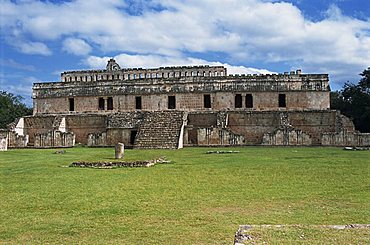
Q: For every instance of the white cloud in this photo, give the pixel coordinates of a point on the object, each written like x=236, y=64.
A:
x=32, y=48
x=23, y=87
x=153, y=61
x=76, y=46
x=16, y=65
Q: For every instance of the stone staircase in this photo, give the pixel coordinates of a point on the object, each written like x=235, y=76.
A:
x=160, y=130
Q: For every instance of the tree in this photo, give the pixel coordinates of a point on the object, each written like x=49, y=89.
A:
x=364, y=83
x=11, y=108
x=354, y=101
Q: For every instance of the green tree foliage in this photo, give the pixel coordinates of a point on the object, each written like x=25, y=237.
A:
x=11, y=108
x=354, y=101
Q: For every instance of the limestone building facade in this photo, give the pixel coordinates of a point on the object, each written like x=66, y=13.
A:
x=172, y=107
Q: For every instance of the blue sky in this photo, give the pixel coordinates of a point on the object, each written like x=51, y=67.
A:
x=41, y=39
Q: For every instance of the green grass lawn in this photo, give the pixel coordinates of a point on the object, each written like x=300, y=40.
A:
x=199, y=199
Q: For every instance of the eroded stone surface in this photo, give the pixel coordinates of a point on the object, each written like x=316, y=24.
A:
x=119, y=151
x=3, y=140
x=172, y=107
x=133, y=164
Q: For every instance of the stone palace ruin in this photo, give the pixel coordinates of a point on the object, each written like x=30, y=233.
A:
x=172, y=107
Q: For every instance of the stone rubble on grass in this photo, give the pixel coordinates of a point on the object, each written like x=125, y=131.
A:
x=109, y=165
x=350, y=148
x=60, y=152
x=242, y=236
x=221, y=152
x=350, y=226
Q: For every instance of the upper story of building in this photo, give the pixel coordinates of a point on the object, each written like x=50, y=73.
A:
x=113, y=72
x=188, y=88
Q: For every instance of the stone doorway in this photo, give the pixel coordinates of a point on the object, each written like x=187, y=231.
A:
x=193, y=137
x=133, y=136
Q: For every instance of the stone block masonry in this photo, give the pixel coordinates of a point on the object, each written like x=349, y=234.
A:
x=173, y=129
x=119, y=151
x=160, y=130
x=54, y=139
x=172, y=107
x=196, y=88
x=110, y=165
x=3, y=140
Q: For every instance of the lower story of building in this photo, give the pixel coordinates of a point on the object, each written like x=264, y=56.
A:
x=175, y=129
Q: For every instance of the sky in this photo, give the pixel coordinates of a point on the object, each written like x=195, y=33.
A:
x=41, y=39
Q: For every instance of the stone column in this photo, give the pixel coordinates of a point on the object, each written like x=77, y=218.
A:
x=120, y=150
x=3, y=140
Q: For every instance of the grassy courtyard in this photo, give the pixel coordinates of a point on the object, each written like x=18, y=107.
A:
x=198, y=199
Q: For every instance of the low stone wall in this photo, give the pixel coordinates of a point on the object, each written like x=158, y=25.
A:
x=288, y=137
x=54, y=139
x=218, y=136
x=345, y=138
x=17, y=141
x=97, y=139
x=3, y=140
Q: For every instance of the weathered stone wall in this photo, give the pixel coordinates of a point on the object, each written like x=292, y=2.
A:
x=303, y=91
x=165, y=129
x=17, y=135
x=218, y=136
x=3, y=140
x=119, y=135
x=345, y=138
x=111, y=137
x=38, y=125
x=187, y=102
x=266, y=127
x=288, y=109
x=125, y=120
x=253, y=125
x=97, y=139
x=54, y=139
x=260, y=83
x=203, y=119
x=111, y=73
x=288, y=137
x=50, y=105
x=120, y=128
x=84, y=124
x=17, y=141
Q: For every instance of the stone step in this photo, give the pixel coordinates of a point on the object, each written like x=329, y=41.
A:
x=160, y=130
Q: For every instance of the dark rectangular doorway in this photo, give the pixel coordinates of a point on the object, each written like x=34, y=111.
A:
x=193, y=137
x=171, y=102
x=101, y=104
x=138, y=102
x=71, y=104
x=249, y=101
x=110, y=103
x=238, y=101
x=282, y=100
x=207, y=101
x=133, y=136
